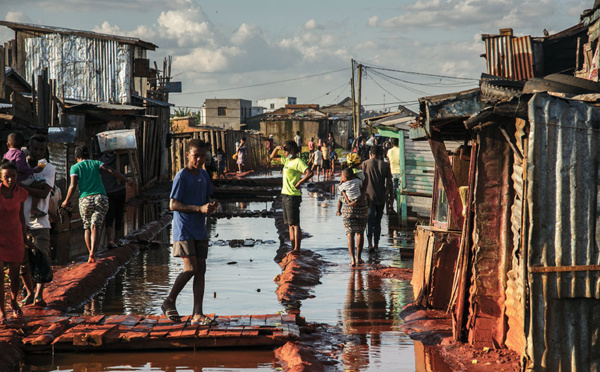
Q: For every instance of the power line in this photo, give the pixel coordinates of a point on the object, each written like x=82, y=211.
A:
x=326, y=94
x=420, y=73
x=269, y=83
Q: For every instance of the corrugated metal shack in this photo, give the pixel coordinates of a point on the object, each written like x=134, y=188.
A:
x=520, y=249
x=85, y=83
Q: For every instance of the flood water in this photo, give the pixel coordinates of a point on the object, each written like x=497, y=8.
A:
x=240, y=281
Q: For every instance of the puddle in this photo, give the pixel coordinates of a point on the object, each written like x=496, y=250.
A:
x=364, y=306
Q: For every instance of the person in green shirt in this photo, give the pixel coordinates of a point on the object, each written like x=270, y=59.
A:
x=93, y=202
x=295, y=173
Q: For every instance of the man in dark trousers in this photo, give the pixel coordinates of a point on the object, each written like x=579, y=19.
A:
x=378, y=183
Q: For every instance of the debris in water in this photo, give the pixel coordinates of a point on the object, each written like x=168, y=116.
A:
x=214, y=294
x=232, y=263
x=258, y=290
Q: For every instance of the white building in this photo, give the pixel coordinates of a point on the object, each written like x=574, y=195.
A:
x=272, y=104
x=257, y=110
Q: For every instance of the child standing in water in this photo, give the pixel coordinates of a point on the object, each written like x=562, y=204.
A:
x=353, y=208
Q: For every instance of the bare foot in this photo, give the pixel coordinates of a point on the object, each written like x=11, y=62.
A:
x=92, y=258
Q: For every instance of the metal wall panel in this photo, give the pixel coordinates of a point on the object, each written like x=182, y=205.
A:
x=510, y=57
x=562, y=196
x=515, y=285
x=85, y=69
x=492, y=243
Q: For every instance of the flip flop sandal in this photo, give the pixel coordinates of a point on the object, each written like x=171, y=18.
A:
x=205, y=322
x=27, y=301
x=17, y=313
x=39, y=302
x=171, y=314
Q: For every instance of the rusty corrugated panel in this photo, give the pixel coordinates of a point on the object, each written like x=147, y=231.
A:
x=85, y=69
x=510, y=57
x=562, y=197
x=492, y=239
x=515, y=286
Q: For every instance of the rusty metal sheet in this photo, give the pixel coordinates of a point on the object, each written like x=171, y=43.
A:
x=563, y=225
x=515, y=283
x=510, y=57
x=492, y=240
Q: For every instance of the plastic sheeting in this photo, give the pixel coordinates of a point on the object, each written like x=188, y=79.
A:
x=85, y=69
x=562, y=197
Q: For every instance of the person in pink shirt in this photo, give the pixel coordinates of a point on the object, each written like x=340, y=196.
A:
x=14, y=154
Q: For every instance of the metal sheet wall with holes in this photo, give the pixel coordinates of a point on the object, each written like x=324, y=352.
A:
x=562, y=196
x=510, y=57
x=85, y=69
x=492, y=239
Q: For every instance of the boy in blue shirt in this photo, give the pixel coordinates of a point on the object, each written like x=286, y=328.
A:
x=190, y=202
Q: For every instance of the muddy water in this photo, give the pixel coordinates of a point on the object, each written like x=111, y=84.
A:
x=240, y=281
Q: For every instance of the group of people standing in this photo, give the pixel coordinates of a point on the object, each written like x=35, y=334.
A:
x=26, y=188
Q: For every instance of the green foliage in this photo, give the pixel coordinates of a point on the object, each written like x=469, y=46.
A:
x=181, y=112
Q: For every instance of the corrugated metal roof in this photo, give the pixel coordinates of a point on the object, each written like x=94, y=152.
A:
x=399, y=120
x=562, y=195
x=67, y=31
x=153, y=101
x=509, y=57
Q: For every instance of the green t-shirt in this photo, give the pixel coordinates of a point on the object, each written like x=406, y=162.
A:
x=88, y=177
x=292, y=172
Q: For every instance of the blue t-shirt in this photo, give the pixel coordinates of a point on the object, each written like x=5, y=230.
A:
x=191, y=190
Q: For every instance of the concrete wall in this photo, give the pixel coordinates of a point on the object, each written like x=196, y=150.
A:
x=234, y=113
x=272, y=104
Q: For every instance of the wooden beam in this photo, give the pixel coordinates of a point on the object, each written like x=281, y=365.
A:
x=563, y=269
x=448, y=180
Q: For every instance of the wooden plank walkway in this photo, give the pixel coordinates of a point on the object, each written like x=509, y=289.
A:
x=132, y=332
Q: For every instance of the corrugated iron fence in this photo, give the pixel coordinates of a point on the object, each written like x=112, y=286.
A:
x=510, y=57
x=563, y=231
x=225, y=139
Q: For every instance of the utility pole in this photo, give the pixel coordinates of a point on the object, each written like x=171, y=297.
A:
x=354, y=125
x=359, y=94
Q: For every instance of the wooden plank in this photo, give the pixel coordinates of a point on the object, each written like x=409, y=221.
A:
x=448, y=180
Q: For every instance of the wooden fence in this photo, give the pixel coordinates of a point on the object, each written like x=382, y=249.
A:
x=226, y=139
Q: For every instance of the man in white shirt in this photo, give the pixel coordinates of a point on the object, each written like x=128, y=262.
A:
x=39, y=226
x=393, y=156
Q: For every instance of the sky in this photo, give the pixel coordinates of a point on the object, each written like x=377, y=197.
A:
x=254, y=49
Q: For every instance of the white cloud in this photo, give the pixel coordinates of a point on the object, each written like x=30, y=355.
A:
x=311, y=24
x=12, y=16
x=452, y=14
x=372, y=22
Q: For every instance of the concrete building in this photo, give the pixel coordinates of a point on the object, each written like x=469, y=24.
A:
x=272, y=104
x=229, y=113
x=257, y=110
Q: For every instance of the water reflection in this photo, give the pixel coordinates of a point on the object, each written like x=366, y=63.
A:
x=213, y=360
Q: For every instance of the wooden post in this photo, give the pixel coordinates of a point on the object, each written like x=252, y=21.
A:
x=2, y=75
x=401, y=197
x=358, y=98
x=354, y=125
x=448, y=179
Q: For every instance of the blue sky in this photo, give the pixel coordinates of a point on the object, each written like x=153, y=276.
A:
x=236, y=43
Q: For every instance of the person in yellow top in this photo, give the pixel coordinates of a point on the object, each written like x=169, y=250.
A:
x=295, y=173
x=393, y=156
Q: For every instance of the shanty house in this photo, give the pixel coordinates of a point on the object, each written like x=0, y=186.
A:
x=520, y=267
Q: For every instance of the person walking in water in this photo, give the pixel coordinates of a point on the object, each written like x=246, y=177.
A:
x=295, y=173
x=93, y=202
x=352, y=206
x=190, y=202
x=378, y=183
